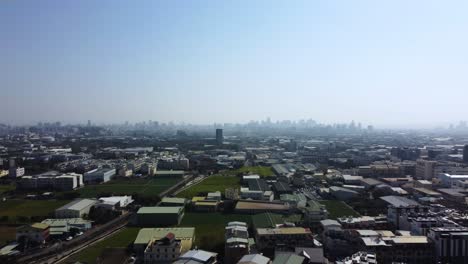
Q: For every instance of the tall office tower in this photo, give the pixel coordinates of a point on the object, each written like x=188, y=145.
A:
x=219, y=136
x=465, y=154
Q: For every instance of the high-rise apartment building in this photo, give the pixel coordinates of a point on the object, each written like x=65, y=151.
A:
x=219, y=136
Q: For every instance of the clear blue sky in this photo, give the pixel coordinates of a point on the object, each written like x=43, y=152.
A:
x=382, y=62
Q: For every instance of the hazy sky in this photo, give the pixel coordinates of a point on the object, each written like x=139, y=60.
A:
x=381, y=62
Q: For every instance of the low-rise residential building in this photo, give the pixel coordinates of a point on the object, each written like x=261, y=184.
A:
x=37, y=232
x=164, y=250
x=283, y=237
x=364, y=222
x=359, y=258
x=401, y=206
x=236, y=242
x=185, y=234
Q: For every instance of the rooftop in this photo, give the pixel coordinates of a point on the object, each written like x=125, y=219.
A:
x=254, y=259
x=199, y=255
x=399, y=201
x=78, y=204
x=288, y=258
x=283, y=231
x=160, y=210
x=173, y=200
x=248, y=205
x=147, y=234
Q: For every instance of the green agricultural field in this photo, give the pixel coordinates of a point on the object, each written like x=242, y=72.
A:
x=146, y=187
x=260, y=170
x=7, y=233
x=338, y=209
x=122, y=239
x=21, y=211
x=211, y=184
x=209, y=228
x=6, y=188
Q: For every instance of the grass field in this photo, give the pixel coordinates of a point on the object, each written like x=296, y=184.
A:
x=7, y=233
x=121, y=239
x=338, y=209
x=16, y=209
x=211, y=184
x=6, y=188
x=145, y=187
x=260, y=170
x=209, y=228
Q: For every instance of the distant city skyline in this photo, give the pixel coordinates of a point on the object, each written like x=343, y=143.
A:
x=390, y=64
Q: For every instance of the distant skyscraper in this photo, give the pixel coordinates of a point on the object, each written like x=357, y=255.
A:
x=465, y=154
x=89, y=123
x=219, y=136
x=12, y=162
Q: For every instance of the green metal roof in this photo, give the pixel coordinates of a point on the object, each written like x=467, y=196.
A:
x=173, y=200
x=160, y=210
x=288, y=258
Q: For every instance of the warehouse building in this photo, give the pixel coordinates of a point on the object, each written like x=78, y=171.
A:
x=61, y=227
x=160, y=215
x=75, y=209
x=173, y=201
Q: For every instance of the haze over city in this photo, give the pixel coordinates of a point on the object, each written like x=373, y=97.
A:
x=233, y=132
x=390, y=64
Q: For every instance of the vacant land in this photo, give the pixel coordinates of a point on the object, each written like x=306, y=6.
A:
x=209, y=228
x=21, y=211
x=260, y=170
x=211, y=184
x=146, y=187
x=122, y=239
x=6, y=188
x=7, y=233
x=338, y=209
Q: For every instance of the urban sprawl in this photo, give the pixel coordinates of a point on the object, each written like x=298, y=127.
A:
x=257, y=193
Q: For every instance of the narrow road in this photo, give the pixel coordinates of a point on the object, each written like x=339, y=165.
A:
x=65, y=255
